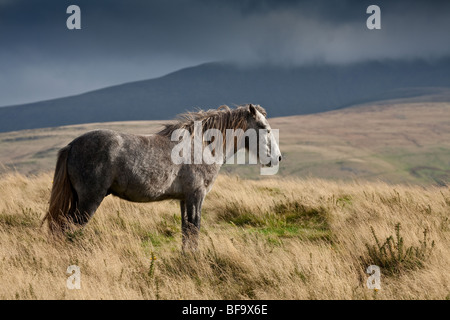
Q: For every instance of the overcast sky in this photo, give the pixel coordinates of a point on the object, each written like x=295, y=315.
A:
x=123, y=41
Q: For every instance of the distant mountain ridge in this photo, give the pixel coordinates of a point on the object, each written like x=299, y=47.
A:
x=282, y=91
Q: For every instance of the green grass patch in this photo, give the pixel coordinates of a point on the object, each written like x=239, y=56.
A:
x=156, y=239
x=287, y=219
x=164, y=233
x=27, y=218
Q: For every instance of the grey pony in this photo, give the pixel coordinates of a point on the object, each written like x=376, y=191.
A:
x=139, y=168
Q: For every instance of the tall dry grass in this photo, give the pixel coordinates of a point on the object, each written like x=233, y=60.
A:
x=268, y=239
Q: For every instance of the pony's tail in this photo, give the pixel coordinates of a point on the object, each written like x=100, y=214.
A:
x=62, y=196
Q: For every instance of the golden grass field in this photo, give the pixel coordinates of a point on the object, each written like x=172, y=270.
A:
x=302, y=234
x=265, y=239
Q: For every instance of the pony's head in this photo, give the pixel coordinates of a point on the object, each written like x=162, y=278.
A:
x=266, y=149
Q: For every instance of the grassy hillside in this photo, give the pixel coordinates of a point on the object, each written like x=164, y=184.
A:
x=397, y=141
x=270, y=239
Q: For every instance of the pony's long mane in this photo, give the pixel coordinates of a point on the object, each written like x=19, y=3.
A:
x=222, y=118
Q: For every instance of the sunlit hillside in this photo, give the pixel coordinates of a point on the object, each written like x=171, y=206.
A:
x=395, y=141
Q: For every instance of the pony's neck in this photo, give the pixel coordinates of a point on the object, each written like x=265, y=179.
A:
x=233, y=145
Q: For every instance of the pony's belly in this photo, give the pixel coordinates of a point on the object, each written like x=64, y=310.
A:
x=146, y=192
x=142, y=197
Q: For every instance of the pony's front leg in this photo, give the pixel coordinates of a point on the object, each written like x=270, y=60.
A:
x=190, y=221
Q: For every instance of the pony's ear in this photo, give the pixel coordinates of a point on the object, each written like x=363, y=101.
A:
x=252, y=110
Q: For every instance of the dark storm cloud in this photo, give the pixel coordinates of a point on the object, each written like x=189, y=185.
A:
x=129, y=40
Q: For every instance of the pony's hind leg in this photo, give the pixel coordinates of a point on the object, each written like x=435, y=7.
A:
x=85, y=208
